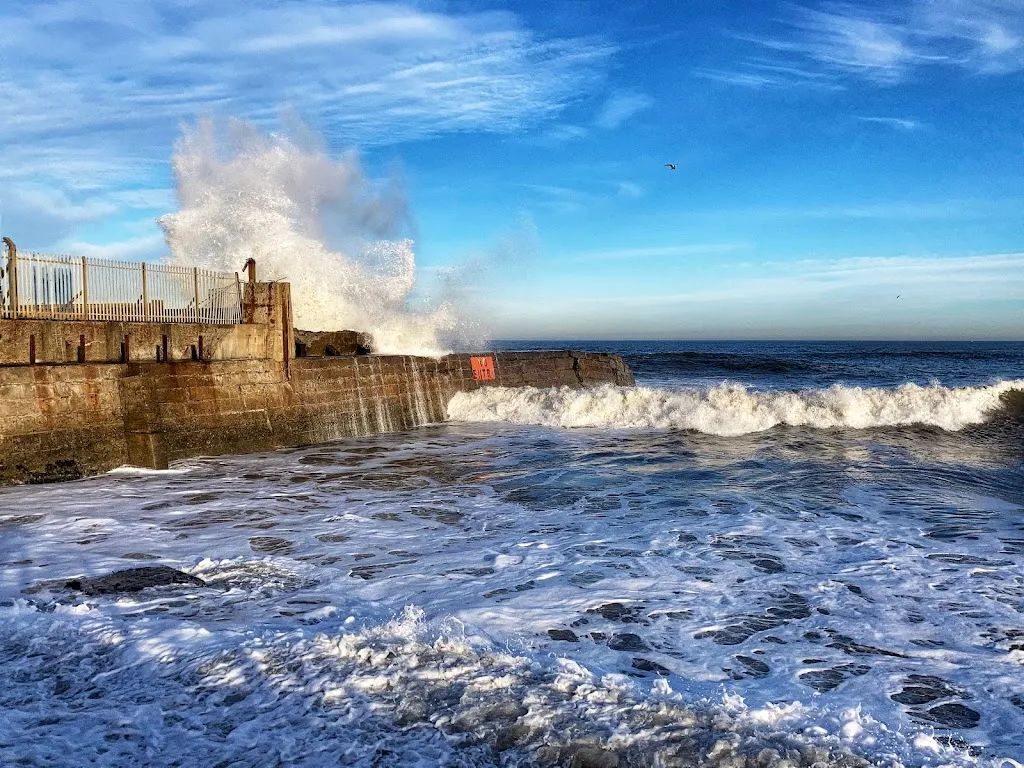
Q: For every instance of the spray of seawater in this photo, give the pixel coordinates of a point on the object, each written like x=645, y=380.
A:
x=314, y=220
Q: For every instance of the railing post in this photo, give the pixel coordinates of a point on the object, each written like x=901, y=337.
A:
x=12, y=274
x=145, y=294
x=195, y=285
x=238, y=288
x=85, y=289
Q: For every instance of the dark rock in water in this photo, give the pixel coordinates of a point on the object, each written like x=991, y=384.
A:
x=593, y=757
x=627, y=641
x=627, y=614
x=646, y=665
x=824, y=680
x=133, y=580
x=953, y=716
x=755, y=667
x=850, y=646
x=566, y=635
x=271, y=545
x=921, y=689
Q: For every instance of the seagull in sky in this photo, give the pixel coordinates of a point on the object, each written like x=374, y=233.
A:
x=670, y=166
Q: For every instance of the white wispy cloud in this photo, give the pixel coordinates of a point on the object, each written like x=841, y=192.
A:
x=882, y=210
x=900, y=123
x=767, y=74
x=143, y=248
x=629, y=189
x=620, y=107
x=885, y=43
x=996, y=276
x=961, y=296
x=683, y=250
x=95, y=91
x=373, y=73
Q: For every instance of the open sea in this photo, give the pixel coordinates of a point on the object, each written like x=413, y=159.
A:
x=765, y=554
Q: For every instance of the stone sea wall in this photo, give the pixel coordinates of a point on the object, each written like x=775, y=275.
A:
x=60, y=422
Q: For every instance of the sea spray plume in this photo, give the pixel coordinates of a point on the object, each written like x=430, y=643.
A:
x=732, y=409
x=308, y=218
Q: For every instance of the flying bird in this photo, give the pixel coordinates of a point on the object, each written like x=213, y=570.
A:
x=670, y=166
x=898, y=295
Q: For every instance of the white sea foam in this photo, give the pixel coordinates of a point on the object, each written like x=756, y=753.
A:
x=788, y=607
x=314, y=220
x=733, y=409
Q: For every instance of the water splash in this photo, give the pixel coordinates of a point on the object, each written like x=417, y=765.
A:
x=309, y=218
x=733, y=409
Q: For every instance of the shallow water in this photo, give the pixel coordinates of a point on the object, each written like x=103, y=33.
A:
x=496, y=594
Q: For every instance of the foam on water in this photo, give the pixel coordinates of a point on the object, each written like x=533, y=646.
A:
x=734, y=409
x=476, y=595
x=313, y=220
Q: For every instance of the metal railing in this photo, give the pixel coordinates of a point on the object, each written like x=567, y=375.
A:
x=45, y=286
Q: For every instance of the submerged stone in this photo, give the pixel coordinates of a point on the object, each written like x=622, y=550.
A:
x=133, y=580
x=954, y=716
x=566, y=635
x=627, y=641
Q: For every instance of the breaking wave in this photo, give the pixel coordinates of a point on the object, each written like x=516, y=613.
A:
x=733, y=409
x=312, y=219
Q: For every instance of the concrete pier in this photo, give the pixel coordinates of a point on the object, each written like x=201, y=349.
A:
x=146, y=394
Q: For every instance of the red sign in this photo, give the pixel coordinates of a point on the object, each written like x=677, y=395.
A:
x=483, y=368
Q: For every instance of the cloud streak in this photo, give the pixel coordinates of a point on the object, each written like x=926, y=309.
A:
x=94, y=93
x=686, y=250
x=899, y=123
x=375, y=73
x=620, y=107
x=885, y=44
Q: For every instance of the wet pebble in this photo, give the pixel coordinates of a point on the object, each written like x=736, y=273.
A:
x=618, y=612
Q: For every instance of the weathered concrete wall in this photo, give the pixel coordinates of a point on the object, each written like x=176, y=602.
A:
x=66, y=421
x=60, y=422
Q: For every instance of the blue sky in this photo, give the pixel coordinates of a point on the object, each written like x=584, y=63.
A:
x=831, y=156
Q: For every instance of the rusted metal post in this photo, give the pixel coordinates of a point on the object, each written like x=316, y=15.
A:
x=145, y=294
x=200, y=348
x=81, y=348
x=250, y=268
x=163, y=343
x=32, y=349
x=85, y=289
x=126, y=349
x=12, y=274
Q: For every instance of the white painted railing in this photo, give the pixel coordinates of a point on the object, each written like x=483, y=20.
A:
x=36, y=285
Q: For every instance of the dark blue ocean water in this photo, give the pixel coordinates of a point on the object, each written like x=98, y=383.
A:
x=798, y=364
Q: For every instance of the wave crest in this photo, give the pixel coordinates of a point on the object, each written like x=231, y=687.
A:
x=733, y=409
